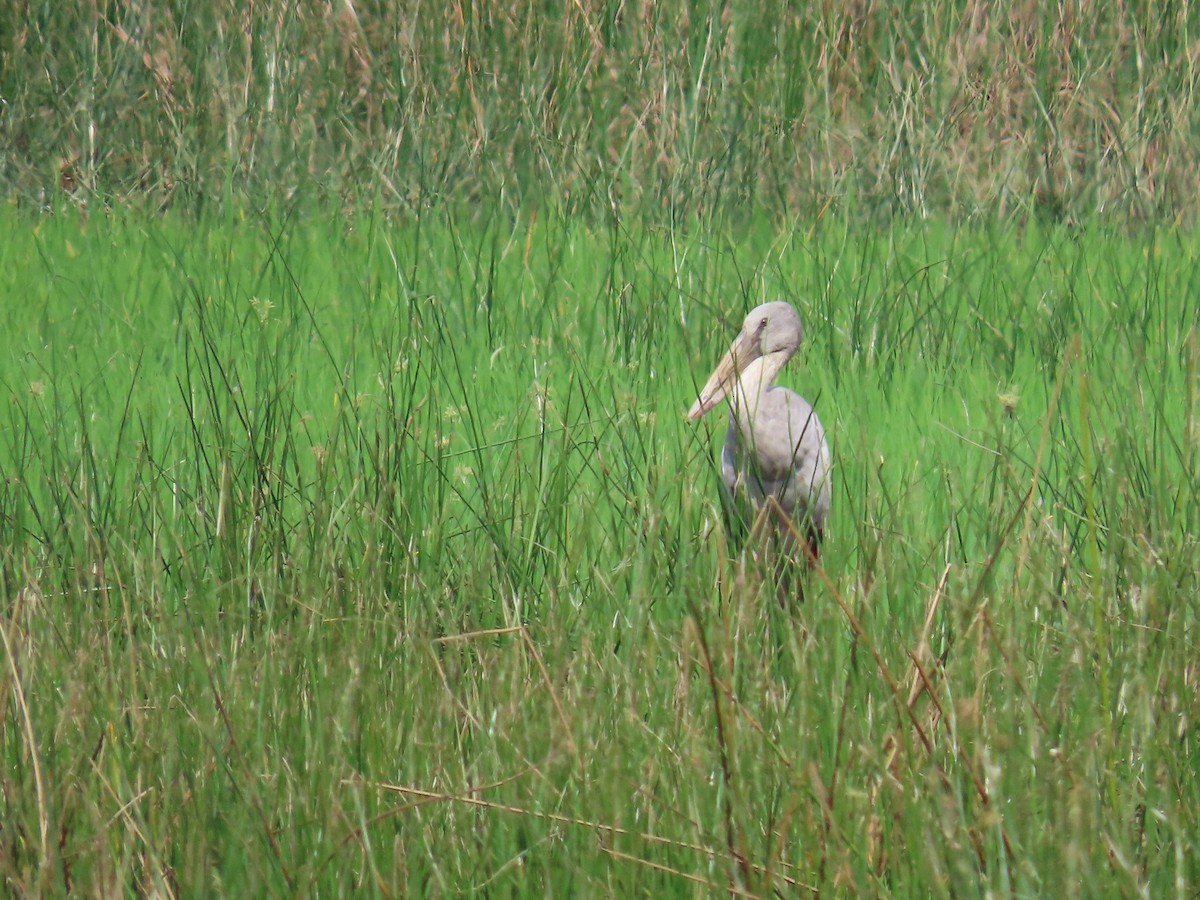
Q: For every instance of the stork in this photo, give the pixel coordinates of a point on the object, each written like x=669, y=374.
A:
x=775, y=462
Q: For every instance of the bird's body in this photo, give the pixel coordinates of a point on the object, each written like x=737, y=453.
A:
x=775, y=452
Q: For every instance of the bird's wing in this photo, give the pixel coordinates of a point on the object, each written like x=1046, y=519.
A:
x=810, y=489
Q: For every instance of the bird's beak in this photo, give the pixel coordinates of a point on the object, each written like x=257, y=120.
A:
x=746, y=348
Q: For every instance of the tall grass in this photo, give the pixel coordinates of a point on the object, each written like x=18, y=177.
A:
x=363, y=555
x=1062, y=113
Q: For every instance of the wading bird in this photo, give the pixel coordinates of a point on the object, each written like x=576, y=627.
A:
x=775, y=463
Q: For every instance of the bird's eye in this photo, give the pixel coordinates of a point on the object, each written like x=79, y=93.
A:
x=763, y=323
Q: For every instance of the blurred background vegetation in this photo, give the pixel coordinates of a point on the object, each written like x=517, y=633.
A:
x=683, y=110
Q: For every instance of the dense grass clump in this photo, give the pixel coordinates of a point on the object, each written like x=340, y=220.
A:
x=373, y=554
x=962, y=108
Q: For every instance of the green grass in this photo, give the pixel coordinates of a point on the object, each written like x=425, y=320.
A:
x=368, y=555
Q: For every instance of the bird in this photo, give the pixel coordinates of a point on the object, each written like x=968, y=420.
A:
x=775, y=463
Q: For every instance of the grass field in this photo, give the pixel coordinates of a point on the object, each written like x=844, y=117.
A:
x=350, y=554
x=352, y=539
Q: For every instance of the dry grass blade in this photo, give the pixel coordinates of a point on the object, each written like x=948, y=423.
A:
x=734, y=840
x=731, y=889
x=558, y=707
x=424, y=796
x=31, y=743
x=480, y=633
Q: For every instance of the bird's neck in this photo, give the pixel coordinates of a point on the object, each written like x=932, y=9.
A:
x=756, y=378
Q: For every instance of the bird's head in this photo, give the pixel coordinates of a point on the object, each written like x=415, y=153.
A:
x=777, y=327
x=773, y=328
